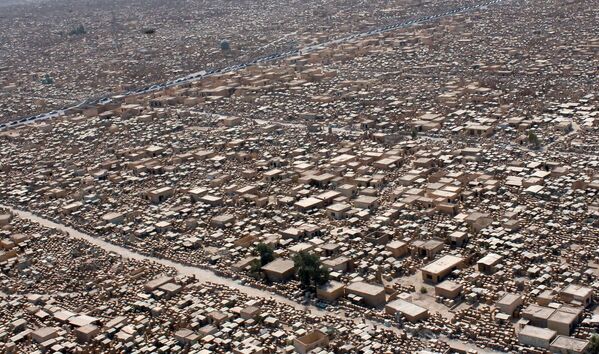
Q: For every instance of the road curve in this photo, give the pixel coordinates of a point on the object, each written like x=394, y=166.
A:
x=207, y=276
x=203, y=275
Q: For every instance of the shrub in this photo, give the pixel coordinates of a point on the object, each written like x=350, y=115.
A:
x=225, y=46
x=265, y=252
x=78, y=31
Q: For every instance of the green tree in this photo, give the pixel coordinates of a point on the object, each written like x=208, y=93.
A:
x=256, y=269
x=47, y=80
x=265, y=252
x=78, y=31
x=534, y=140
x=594, y=346
x=225, y=46
x=310, y=270
x=414, y=134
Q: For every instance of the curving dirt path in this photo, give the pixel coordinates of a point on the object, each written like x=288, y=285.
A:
x=207, y=276
x=203, y=275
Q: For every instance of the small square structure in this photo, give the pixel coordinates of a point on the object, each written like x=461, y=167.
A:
x=509, y=303
x=410, y=311
x=536, y=336
x=564, y=320
x=569, y=345
x=448, y=289
x=330, y=291
x=43, y=334
x=373, y=295
x=436, y=271
x=314, y=339
x=279, y=270
x=577, y=294
x=487, y=263
x=537, y=315
x=397, y=248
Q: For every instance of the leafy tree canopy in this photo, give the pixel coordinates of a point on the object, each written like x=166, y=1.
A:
x=310, y=270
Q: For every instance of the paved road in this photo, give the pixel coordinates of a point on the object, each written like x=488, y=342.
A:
x=269, y=58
